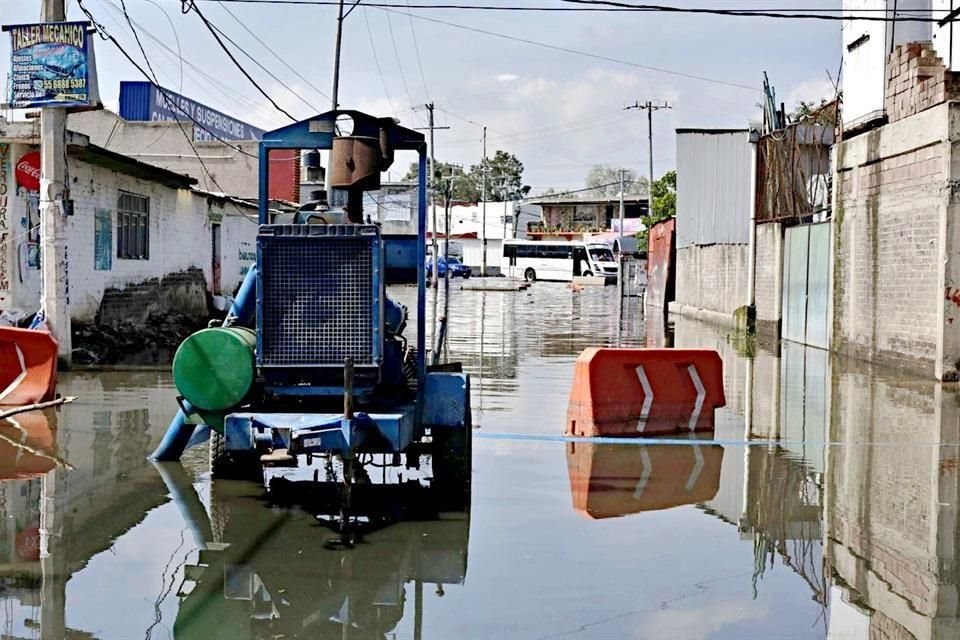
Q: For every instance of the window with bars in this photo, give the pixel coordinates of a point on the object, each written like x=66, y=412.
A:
x=133, y=227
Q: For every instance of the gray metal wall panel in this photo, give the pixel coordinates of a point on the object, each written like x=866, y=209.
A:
x=713, y=188
x=796, y=242
x=806, y=284
x=818, y=286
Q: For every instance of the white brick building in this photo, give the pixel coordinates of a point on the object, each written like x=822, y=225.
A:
x=140, y=237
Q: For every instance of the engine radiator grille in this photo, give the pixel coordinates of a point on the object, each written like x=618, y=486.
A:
x=318, y=300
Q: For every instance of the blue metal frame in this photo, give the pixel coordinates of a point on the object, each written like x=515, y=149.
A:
x=318, y=132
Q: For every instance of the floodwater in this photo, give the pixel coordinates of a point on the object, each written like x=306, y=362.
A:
x=826, y=506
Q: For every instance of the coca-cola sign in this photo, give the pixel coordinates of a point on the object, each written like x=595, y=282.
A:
x=28, y=171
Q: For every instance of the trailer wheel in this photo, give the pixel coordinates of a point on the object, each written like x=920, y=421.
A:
x=587, y=274
x=233, y=465
x=530, y=275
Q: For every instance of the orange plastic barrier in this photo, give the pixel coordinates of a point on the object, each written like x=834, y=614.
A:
x=28, y=366
x=643, y=392
x=607, y=481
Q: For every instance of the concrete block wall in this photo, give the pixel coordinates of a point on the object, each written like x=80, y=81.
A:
x=711, y=281
x=769, y=278
x=917, y=80
x=891, y=255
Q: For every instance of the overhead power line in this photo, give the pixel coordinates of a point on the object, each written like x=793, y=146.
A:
x=584, y=190
x=517, y=139
x=586, y=54
x=611, y=6
x=265, y=70
x=376, y=59
x=151, y=77
x=206, y=80
x=276, y=55
x=416, y=48
x=396, y=54
x=190, y=5
x=751, y=13
x=166, y=94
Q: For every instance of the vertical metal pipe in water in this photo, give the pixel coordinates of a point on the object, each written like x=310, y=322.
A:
x=421, y=263
x=752, y=254
x=348, y=388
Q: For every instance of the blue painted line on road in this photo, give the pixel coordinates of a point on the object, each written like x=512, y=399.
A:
x=533, y=437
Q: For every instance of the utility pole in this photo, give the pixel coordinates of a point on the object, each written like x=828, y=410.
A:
x=55, y=289
x=336, y=60
x=621, y=203
x=483, y=207
x=335, y=95
x=650, y=108
x=431, y=189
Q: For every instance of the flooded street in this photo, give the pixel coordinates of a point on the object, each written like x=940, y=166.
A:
x=824, y=506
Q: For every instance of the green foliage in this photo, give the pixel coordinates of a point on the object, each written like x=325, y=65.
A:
x=664, y=196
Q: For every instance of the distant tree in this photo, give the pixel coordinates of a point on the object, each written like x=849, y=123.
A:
x=504, y=175
x=604, y=182
x=664, y=204
x=447, y=175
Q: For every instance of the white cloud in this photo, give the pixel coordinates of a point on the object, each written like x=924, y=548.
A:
x=813, y=90
x=507, y=77
x=700, y=623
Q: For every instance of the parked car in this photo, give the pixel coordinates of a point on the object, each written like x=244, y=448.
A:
x=457, y=268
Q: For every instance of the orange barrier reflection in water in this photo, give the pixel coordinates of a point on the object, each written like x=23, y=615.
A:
x=608, y=480
x=27, y=445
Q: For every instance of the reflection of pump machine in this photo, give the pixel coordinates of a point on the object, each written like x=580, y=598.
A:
x=270, y=573
x=312, y=360
x=611, y=480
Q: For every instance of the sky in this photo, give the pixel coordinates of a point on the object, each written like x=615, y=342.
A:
x=558, y=112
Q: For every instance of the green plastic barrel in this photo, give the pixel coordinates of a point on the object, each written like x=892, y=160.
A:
x=215, y=368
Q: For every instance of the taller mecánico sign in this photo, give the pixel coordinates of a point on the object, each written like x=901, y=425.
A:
x=52, y=65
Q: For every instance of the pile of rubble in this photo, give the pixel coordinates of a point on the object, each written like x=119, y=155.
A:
x=133, y=342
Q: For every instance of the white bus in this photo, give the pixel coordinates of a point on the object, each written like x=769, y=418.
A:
x=551, y=260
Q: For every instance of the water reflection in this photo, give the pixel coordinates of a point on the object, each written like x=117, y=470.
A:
x=269, y=573
x=608, y=481
x=825, y=507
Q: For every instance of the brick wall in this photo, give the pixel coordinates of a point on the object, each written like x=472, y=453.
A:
x=917, y=80
x=769, y=270
x=888, y=255
x=712, y=277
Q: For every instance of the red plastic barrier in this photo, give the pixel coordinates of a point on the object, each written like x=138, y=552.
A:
x=643, y=392
x=28, y=366
x=607, y=481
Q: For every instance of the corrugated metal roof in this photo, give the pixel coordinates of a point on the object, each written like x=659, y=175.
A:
x=713, y=187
